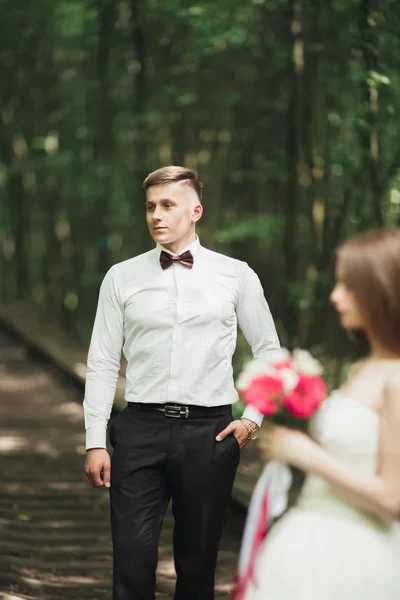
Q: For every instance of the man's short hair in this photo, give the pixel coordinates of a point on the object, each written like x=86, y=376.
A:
x=173, y=174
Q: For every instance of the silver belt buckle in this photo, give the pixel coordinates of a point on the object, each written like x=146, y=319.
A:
x=176, y=411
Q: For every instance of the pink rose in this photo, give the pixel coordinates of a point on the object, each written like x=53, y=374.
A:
x=265, y=393
x=306, y=397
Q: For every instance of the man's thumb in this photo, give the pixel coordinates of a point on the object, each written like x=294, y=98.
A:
x=107, y=475
x=221, y=436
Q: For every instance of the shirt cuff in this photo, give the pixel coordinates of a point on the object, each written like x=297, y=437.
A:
x=252, y=413
x=96, y=437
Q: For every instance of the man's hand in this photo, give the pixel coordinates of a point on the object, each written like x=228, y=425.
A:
x=239, y=431
x=98, y=467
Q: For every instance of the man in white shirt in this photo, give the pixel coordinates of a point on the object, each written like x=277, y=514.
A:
x=174, y=313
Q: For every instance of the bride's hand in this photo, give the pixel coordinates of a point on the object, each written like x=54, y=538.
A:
x=283, y=444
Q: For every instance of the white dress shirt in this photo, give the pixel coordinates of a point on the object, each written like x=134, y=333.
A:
x=177, y=329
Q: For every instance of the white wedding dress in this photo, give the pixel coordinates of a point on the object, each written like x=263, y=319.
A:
x=324, y=548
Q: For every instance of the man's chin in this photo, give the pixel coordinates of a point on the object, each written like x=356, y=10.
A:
x=160, y=237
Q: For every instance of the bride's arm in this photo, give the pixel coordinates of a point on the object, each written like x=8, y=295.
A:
x=378, y=493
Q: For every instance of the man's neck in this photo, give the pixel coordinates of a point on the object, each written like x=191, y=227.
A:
x=178, y=247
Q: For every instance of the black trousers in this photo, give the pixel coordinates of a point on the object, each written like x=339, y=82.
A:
x=157, y=458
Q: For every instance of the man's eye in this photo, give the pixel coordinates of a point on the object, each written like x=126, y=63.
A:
x=150, y=208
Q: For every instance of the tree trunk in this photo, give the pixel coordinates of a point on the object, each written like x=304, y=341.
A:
x=104, y=141
x=294, y=159
x=140, y=94
x=17, y=199
x=370, y=141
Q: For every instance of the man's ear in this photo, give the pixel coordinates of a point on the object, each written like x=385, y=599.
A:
x=197, y=212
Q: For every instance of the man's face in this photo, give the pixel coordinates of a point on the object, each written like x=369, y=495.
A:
x=172, y=211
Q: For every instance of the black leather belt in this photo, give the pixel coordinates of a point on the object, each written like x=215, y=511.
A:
x=182, y=411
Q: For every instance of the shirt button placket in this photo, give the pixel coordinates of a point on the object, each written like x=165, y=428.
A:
x=173, y=372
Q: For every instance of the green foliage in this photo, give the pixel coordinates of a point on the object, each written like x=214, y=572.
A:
x=268, y=229
x=295, y=138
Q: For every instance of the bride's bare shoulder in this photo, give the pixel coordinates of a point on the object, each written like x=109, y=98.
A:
x=392, y=385
x=355, y=368
x=393, y=379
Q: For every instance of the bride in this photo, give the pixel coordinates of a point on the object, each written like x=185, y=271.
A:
x=342, y=539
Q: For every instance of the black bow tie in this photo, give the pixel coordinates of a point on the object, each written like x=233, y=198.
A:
x=186, y=259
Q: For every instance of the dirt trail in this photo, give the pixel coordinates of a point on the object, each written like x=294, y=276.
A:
x=54, y=529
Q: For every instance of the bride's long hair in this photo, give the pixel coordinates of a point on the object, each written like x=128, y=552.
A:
x=371, y=270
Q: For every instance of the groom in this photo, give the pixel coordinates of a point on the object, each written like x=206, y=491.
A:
x=174, y=313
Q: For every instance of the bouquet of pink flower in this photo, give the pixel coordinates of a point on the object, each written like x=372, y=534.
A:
x=288, y=385
x=287, y=388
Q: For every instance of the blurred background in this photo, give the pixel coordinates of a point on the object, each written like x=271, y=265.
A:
x=288, y=110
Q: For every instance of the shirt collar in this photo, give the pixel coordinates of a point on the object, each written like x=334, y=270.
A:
x=194, y=247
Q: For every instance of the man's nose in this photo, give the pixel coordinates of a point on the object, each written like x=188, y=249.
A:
x=156, y=214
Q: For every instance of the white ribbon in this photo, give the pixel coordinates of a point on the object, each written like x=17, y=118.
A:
x=275, y=481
